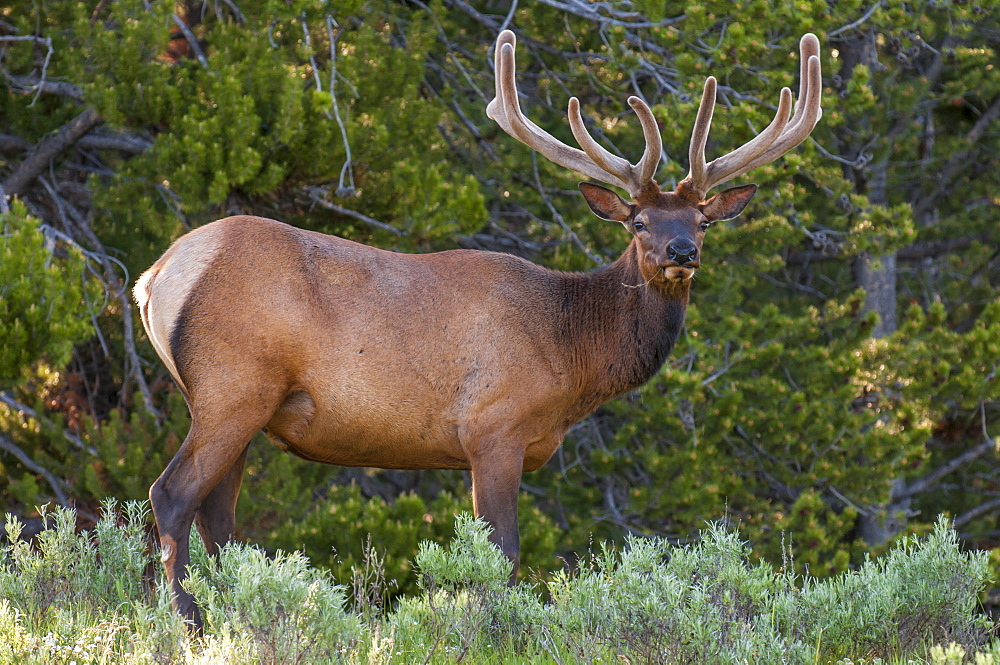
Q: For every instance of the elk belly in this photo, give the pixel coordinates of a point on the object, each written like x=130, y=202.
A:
x=388, y=436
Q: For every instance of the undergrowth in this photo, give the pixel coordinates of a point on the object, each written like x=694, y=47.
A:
x=98, y=597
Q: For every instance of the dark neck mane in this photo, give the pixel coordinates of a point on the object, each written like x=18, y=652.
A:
x=620, y=330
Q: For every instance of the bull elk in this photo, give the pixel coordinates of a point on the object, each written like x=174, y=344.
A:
x=351, y=355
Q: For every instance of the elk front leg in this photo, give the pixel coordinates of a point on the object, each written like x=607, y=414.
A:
x=496, y=481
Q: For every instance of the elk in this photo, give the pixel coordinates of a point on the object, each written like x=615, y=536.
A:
x=351, y=355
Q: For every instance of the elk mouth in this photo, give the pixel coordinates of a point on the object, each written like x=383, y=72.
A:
x=680, y=271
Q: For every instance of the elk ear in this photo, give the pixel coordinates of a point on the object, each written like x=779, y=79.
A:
x=727, y=204
x=606, y=204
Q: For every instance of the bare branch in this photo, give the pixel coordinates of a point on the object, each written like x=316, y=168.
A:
x=33, y=466
x=912, y=253
x=112, y=282
x=850, y=26
x=39, y=85
x=937, y=474
x=45, y=41
x=26, y=410
x=956, y=161
x=236, y=11
x=981, y=509
x=121, y=142
x=312, y=55
x=559, y=218
x=191, y=40
x=317, y=195
x=127, y=143
x=13, y=144
x=348, y=168
x=589, y=10
x=49, y=148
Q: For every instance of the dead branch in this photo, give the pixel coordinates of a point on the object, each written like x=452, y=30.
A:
x=13, y=144
x=916, y=252
x=610, y=16
x=121, y=142
x=980, y=510
x=191, y=40
x=45, y=41
x=50, y=147
x=74, y=220
x=988, y=443
x=955, y=162
x=317, y=195
x=348, y=168
x=26, y=410
x=37, y=84
x=33, y=466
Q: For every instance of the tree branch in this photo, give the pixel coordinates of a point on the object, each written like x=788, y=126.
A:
x=947, y=173
x=969, y=515
x=26, y=410
x=133, y=364
x=57, y=88
x=191, y=40
x=937, y=474
x=317, y=194
x=9, y=446
x=912, y=253
x=49, y=148
x=127, y=143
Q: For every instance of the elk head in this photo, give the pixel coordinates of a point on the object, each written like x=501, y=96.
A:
x=668, y=227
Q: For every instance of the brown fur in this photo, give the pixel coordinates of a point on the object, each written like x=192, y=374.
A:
x=351, y=355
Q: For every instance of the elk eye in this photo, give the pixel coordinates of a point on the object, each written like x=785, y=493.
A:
x=638, y=226
x=704, y=225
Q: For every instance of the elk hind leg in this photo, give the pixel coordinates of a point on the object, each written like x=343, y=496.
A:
x=204, y=474
x=216, y=516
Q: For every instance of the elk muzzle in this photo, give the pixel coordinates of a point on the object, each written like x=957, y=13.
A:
x=683, y=253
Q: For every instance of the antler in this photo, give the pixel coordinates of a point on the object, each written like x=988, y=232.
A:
x=593, y=161
x=779, y=137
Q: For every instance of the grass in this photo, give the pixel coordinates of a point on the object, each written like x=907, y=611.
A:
x=97, y=597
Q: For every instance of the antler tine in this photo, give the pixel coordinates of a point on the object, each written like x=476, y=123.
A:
x=699, y=136
x=637, y=176
x=729, y=166
x=807, y=111
x=607, y=161
x=535, y=137
x=646, y=168
x=779, y=137
x=495, y=110
x=593, y=161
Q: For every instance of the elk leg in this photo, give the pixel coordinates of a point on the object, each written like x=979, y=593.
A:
x=496, y=481
x=216, y=517
x=215, y=446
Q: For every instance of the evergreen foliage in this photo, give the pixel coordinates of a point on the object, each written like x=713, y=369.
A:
x=45, y=304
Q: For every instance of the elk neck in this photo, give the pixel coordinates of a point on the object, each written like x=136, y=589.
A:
x=618, y=336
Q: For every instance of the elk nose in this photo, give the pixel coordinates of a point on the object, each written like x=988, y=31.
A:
x=682, y=252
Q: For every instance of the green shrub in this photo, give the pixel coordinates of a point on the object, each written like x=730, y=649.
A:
x=45, y=303
x=284, y=610
x=342, y=530
x=466, y=605
x=924, y=591
x=87, y=574
x=82, y=597
x=655, y=602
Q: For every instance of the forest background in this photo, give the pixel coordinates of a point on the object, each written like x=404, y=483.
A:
x=835, y=385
